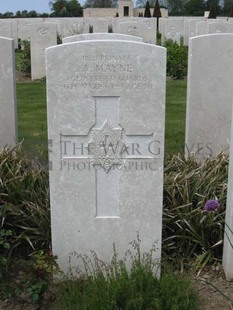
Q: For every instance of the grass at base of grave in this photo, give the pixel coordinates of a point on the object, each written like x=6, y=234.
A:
x=32, y=116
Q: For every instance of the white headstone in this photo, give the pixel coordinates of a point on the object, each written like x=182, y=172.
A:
x=42, y=36
x=8, y=115
x=220, y=27
x=5, y=29
x=138, y=28
x=162, y=22
x=201, y=28
x=106, y=122
x=228, y=236
x=190, y=28
x=24, y=27
x=96, y=24
x=100, y=36
x=174, y=30
x=209, y=95
x=70, y=26
x=150, y=35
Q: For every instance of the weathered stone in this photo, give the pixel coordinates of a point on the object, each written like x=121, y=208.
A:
x=106, y=103
x=8, y=115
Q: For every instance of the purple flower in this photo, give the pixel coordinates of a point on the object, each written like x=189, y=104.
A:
x=211, y=205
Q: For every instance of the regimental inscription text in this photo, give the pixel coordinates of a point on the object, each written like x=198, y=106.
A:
x=106, y=72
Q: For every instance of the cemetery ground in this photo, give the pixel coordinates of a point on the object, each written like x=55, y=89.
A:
x=192, y=238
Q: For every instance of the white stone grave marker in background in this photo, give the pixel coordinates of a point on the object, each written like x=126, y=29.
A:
x=209, y=95
x=220, y=27
x=143, y=29
x=8, y=115
x=43, y=35
x=228, y=236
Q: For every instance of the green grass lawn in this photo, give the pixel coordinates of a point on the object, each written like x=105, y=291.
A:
x=32, y=119
x=175, y=116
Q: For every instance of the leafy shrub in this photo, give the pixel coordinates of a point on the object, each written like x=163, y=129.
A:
x=188, y=230
x=24, y=203
x=23, y=58
x=177, y=60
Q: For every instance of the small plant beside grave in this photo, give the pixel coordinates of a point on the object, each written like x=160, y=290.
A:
x=24, y=213
x=177, y=60
x=116, y=286
x=192, y=227
x=23, y=58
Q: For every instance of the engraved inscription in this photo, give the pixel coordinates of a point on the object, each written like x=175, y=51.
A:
x=42, y=32
x=133, y=30
x=107, y=72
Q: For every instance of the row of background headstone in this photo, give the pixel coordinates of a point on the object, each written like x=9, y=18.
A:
x=44, y=34
x=21, y=28
x=175, y=28
x=172, y=27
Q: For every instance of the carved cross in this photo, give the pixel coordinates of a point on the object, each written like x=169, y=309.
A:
x=106, y=146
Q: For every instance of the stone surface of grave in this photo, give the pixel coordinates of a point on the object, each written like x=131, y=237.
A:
x=228, y=236
x=162, y=26
x=8, y=115
x=190, y=28
x=209, y=95
x=220, y=27
x=201, y=28
x=43, y=35
x=97, y=24
x=70, y=26
x=106, y=102
x=150, y=36
x=100, y=36
x=145, y=30
x=118, y=20
x=174, y=30
x=24, y=27
x=6, y=29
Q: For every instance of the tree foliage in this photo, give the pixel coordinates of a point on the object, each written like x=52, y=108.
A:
x=214, y=7
x=65, y=8
x=194, y=8
x=100, y=4
x=142, y=3
x=227, y=8
x=157, y=12
x=147, y=10
x=176, y=7
x=231, y=10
